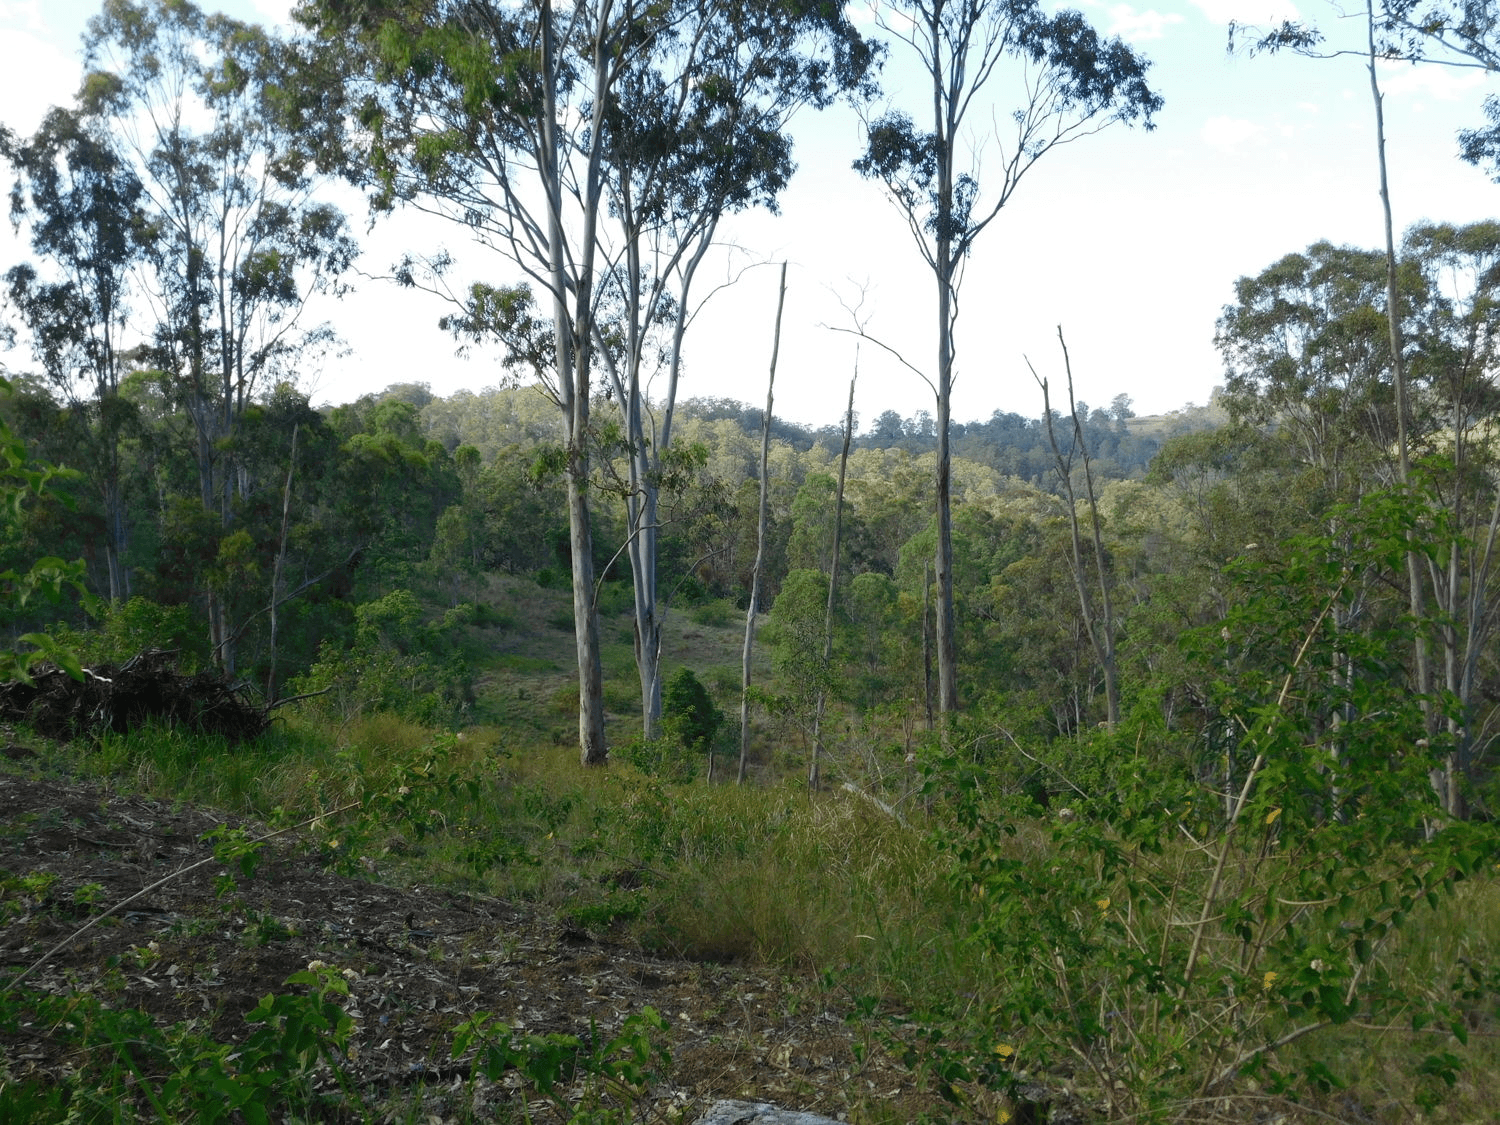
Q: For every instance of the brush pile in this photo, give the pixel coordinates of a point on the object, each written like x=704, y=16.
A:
x=117, y=698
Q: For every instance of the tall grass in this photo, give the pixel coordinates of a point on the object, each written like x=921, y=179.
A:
x=824, y=884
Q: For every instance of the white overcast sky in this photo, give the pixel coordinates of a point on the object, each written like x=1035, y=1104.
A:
x=1130, y=240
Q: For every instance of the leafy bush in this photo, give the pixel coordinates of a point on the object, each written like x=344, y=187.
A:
x=717, y=614
x=1172, y=938
x=125, y=629
x=398, y=662
x=21, y=481
x=689, y=725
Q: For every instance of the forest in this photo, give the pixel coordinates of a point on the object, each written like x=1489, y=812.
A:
x=1078, y=767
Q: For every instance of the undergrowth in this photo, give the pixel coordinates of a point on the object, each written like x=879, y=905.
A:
x=1157, y=959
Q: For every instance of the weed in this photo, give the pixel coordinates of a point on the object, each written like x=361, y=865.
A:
x=262, y=929
x=616, y=1074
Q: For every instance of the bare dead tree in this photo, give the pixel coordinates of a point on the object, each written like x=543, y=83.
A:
x=813, y=779
x=1098, y=624
x=760, y=538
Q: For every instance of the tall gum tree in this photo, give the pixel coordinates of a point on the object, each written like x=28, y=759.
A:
x=596, y=146
x=234, y=243
x=81, y=202
x=698, y=131
x=1070, y=82
x=1455, y=33
x=492, y=115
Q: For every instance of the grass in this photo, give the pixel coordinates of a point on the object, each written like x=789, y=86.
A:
x=826, y=885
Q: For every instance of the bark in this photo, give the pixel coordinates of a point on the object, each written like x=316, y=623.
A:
x=760, y=539
x=945, y=261
x=572, y=337
x=1098, y=625
x=286, y=521
x=1443, y=780
x=927, y=644
x=813, y=778
x=643, y=501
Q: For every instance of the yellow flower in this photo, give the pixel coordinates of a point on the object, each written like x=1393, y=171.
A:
x=1267, y=981
x=1102, y=903
x=1005, y=1050
x=1272, y=815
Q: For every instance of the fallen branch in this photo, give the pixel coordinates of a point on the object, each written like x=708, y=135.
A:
x=889, y=810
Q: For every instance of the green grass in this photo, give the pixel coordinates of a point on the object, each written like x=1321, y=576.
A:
x=825, y=885
x=520, y=662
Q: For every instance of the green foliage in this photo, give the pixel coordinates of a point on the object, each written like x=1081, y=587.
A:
x=616, y=1073
x=720, y=613
x=795, y=633
x=688, y=712
x=1176, y=932
x=178, y=1075
x=690, y=725
x=397, y=662
x=48, y=579
x=126, y=629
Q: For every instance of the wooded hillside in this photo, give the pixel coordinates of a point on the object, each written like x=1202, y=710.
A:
x=1090, y=765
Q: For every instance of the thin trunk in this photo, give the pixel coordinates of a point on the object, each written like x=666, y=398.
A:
x=286, y=523
x=571, y=340
x=1415, y=593
x=1091, y=627
x=813, y=778
x=645, y=508
x=927, y=642
x=760, y=539
x=1106, y=627
x=944, y=108
x=114, y=530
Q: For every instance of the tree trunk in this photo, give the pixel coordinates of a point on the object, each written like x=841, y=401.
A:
x=813, y=778
x=286, y=521
x=927, y=643
x=1442, y=779
x=1100, y=626
x=572, y=341
x=760, y=539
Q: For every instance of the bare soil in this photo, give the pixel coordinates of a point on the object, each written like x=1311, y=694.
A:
x=424, y=959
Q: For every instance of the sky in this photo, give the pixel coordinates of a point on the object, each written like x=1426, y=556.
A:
x=1130, y=240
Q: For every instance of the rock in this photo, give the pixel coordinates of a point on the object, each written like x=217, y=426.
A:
x=759, y=1113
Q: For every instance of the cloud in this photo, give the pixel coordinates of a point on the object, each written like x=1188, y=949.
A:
x=26, y=14
x=1229, y=134
x=36, y=77
x=1128, y=23
x=1444, y=83
x=278, y=12
x=1257, y=13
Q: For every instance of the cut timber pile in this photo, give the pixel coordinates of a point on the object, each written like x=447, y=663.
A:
x=117, y=698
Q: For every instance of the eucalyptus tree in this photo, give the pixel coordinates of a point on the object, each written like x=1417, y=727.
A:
x=596, y=147
x=492, y=115
x=234, y=244
x=1306, y=349
x=1068, y=83
x=1458, y=404
x=1307, y=352
x=82, y=204
x=696, y=131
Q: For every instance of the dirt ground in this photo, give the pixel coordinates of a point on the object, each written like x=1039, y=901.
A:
x=423, y=959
